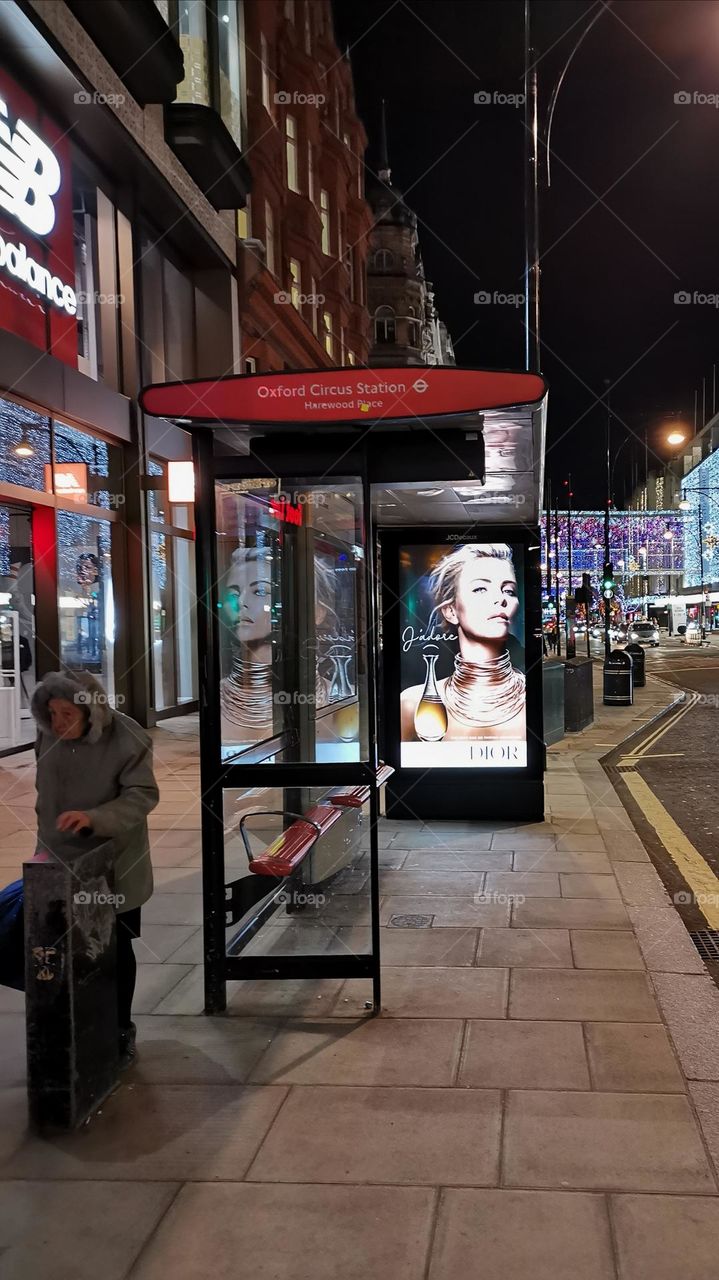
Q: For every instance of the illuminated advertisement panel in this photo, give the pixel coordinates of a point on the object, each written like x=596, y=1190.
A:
x=462, y=668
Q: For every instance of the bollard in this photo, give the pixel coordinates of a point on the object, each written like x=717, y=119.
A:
x=618, y=685
x=70, y=989
x=636, y=654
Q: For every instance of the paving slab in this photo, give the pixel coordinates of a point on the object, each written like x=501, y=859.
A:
x=594, y=863
x=609, y=1141
x=577, y=884
x=523, y=884
x=664, y=941
x=666, y=1237
x=157, y=1133
x=369, y=1051
x=292, y=1233
x=524, y=1055
x=569, y=913
x=522, y=948
x=432, y=883
x=605, y=949
x=63, y=1232
x=632, y=1058
x=199, y=1050
x=432, y=993
x=441, y=860
x=397, y=1136
x=448, y=913
x=451, y=948
x=581, y=995
x=517, y=1234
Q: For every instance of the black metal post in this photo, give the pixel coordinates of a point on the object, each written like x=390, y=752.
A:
x=607, y=603
x=212, y=815
x=556, y=577
x=531, y=202
x=373, y=755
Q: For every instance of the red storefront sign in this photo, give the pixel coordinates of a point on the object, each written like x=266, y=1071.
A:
x=341, y=395
x=37, y=264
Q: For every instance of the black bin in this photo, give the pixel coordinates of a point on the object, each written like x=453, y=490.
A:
x=636, y=653
x=618, y=682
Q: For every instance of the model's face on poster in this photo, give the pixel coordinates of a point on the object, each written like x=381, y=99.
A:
x=247, y=598
x=463, y=702
x=486, y=600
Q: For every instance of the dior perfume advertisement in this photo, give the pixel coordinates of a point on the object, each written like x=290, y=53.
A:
x=463, y=701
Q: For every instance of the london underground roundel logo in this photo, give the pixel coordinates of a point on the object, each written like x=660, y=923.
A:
x=420, y=385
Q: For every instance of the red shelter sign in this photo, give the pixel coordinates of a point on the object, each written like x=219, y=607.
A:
x=341, y=395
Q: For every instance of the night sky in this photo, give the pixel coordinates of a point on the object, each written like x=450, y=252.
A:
x=609, y=272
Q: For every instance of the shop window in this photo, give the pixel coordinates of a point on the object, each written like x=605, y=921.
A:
x=24, y=446
x=325, y=218
x=291, y=153
x=86, y=469
x=86, y=606
x=384, y=326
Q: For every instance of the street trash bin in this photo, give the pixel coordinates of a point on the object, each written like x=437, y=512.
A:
x=639, y=678
x=618, y=682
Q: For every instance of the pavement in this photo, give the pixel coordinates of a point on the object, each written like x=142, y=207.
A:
x=539, y=1098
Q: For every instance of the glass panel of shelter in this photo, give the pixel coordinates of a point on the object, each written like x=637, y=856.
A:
x=291, y=600
x=291, y=604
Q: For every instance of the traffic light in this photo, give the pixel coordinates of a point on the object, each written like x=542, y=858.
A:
x=608, y=583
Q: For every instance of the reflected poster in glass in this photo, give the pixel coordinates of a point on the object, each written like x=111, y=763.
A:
x=463, y=699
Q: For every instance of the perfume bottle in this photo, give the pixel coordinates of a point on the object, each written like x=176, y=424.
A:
x=430, y=718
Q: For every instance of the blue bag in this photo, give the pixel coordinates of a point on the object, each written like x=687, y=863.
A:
x=12, y=944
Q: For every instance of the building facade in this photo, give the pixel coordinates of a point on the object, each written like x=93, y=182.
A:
x=304, y=231
x=129, y=254
x=406, y=329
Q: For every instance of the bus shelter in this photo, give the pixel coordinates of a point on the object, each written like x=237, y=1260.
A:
x=369, y=640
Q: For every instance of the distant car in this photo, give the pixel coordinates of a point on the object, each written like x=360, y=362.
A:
x=618, y=634
x=597, y=632
x=643, y=633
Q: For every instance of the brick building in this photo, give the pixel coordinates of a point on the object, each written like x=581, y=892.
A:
x=302, y=260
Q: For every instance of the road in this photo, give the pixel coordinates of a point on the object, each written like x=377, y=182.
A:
x=674, y=762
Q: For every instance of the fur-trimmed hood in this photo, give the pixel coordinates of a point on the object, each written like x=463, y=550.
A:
x=76, y=686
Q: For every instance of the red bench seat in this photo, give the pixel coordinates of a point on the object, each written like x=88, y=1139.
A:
x=285, y=854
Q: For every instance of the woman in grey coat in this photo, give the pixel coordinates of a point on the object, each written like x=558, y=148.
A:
x=95, y=783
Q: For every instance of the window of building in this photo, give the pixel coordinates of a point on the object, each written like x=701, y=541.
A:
x=383, y=260
x=346, y=139
x=327, y=335
x=89, y=356
x=190, y=22
x=270, y=257
x=291, y=153
x=311, y=172
x=308, y=28
x=168, y=316
x=230, y=80
x=384, y=325
x=250, y=364
x=315, y=307
x=338, y=112
x=340, y=234
x=349, y=264
x=351, y=357
x=343, y=359
x=244, y=221
x=290, y=10
x=325, y=217
x=265, y=65
x=295, y=282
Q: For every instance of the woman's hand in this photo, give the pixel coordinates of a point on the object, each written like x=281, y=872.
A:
x=74, y=820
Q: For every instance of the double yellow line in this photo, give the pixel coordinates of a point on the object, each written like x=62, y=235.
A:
x=700, y=878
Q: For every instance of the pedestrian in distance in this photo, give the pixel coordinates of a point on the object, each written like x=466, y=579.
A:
x=95, y=786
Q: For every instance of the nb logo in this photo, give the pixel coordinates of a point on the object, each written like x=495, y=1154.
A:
x=29, y=176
